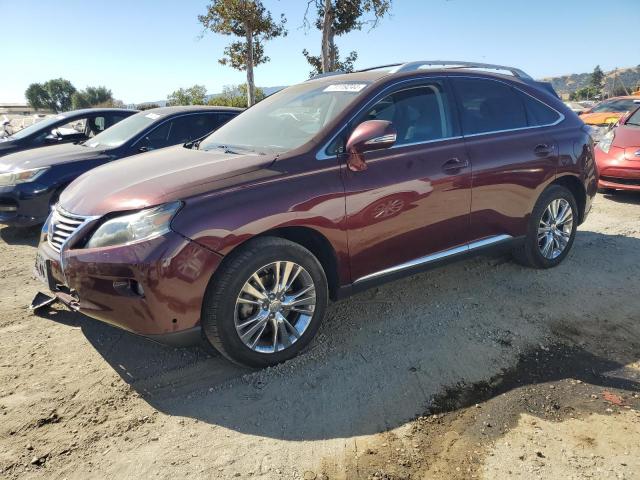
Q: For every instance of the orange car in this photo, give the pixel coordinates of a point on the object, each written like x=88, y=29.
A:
x=609, y=111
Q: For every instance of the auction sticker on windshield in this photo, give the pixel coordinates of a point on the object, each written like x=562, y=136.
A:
x=152, y=116
x=345, y=87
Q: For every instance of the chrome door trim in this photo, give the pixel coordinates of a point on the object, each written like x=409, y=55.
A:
x=485, y=242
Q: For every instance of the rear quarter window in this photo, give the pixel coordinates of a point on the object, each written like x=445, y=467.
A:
x=538, y=113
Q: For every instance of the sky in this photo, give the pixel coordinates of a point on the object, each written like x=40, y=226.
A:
x=144, y=49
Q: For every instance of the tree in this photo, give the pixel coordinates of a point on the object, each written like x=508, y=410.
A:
x=597, y=78
x=37, y=96
x=347, y=65
x=196, y=95
x=54, y=94
x=147, y=106
x=253, y=24
x=339, y=17
x=60, y=92
x=235, y=96
x=92, y=97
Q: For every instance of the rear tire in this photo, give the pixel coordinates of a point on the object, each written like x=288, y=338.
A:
x=247, y=313
x=551, y=230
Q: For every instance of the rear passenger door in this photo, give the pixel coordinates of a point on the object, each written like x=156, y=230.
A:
x=513, y=155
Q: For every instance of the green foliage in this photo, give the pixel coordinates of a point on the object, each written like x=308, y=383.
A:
x=195, y=95
x=235, y=96
x=347, y=65
x=92, y=97
x=147, y=106
x=54, y=95
x=37, y=96
x=247, y=19
x=253, y=25
x=349, y=15
x=585, y=93
x=597, y=78
x=336, y=18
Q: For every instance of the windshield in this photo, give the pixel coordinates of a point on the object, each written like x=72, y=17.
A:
x=37, y=127
x=123, y=131
x=635, y=118
x=614, y=106
x=285, y=120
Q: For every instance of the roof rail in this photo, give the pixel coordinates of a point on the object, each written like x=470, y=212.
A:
x=328, y=74
x=412, y=66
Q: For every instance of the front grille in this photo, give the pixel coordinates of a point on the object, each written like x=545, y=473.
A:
x=61, y=227
x=622, y=181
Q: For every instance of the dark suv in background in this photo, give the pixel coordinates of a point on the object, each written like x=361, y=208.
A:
x=321, y=190
x=31, y=181
x=67, y=127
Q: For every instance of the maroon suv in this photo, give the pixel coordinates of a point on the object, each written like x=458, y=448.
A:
x=321, y=190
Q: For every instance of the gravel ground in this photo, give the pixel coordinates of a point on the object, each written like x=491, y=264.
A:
x=482, y=369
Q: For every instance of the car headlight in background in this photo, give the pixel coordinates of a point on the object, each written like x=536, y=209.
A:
x=606, y=141
x=134, y=227
x=21, y=176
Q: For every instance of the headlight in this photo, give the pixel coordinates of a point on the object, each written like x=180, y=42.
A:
x=21, y=176
x=606, y=141
x=134, y=227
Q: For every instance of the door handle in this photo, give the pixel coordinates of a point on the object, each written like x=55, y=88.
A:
x=543, y=150
x=454, y=165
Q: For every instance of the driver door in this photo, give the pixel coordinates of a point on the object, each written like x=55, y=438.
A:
x=414, y=199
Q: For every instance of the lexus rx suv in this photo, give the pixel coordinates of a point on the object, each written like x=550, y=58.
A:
x=319, y=191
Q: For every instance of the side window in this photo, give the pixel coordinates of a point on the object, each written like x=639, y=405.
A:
x=419, y=114
x=538, y=114
x=94, y=126
x=157, y=138
x=73, y=129
x=190, y=127
x=488, y=106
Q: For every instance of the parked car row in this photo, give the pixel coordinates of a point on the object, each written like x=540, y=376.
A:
x=319, y=191
x=31, y=181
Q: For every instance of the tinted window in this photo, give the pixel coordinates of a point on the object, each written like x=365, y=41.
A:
x=488, y=106
x=537, y=112
x=623, y=105
x=191, y=127
x=157, y=138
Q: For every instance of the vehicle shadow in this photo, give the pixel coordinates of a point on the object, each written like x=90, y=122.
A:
x=387, y=355
x=622, y=196
x=28, y=236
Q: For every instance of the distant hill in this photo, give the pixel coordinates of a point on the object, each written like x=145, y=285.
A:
x=570, y=83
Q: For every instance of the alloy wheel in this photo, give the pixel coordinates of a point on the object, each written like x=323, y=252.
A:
x=555, y=228
x=275, y=307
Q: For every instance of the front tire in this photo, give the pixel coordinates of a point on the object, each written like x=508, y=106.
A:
x=265, y=303
x=551, y=230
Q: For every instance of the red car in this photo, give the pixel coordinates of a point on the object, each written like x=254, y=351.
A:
x=319, y=191
x=618, y=156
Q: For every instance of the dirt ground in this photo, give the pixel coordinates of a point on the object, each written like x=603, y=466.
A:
x=482, y=369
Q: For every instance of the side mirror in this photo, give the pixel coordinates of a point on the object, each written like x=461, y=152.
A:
x=52, y=138
x=369, y=136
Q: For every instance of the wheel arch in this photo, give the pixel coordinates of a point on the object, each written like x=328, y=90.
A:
x=575, y=186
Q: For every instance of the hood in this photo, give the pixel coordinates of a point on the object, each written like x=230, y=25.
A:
x=157, y=177
x=7, y=146
x=47, y=156
x=600, y=118
x=627, y=136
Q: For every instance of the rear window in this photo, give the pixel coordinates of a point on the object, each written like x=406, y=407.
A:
x=538, y=114
x=488, y=106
